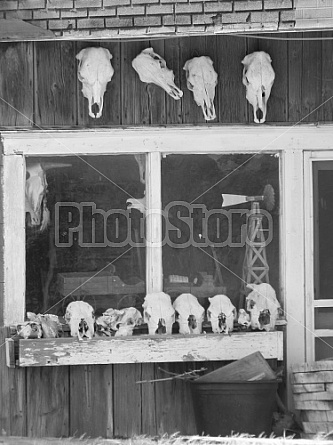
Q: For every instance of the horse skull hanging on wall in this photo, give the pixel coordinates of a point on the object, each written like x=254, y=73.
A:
x=94, y=71
x=152, y=68
x=36, y=190
x=201, y=80
x=258, y=77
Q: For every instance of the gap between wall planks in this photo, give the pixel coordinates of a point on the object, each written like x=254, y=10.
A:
x=97, y=400
x=52, y=96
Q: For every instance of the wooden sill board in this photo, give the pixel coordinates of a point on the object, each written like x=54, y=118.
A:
x=145, y=349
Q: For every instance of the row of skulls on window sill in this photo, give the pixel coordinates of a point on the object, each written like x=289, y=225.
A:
x=95, y=71
x=262, y=311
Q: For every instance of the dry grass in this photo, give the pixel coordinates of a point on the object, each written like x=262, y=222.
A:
x=169, y=440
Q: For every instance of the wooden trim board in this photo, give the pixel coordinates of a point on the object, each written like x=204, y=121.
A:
x=221, y=139
x=148, y=349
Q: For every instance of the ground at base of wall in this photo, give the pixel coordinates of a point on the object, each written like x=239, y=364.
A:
x=172, y=440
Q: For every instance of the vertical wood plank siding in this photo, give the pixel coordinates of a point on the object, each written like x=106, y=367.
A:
x=39, y=80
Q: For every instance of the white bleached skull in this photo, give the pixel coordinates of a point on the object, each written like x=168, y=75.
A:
x=80, y=317
x=221, y=313
x=243, y=319
x=94, y=71
x=152, y=68
x=258, y=77
x=36, y=191
x=122, y=321
x=158, y=313
x=190, y=314
x=263, y=306
x=138, y=204
x=30, y=329
x=201, y=80
x=50, y=323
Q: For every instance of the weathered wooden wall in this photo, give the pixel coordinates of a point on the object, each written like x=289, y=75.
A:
x=102, y=400
x=39, y=89
x=39, y=86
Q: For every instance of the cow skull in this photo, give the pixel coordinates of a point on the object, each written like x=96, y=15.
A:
x=121, y=321
x=258, y=77
x=243, y=319
x=221, y=313
x=201, y=80
x=138, y=204
x=263, y=306
x=30, y=329
x=50, y=324
x=152, y=68
x=94, y=71
x=158, y=313
x=80, y=317
x=190, y=314
x=36, y=190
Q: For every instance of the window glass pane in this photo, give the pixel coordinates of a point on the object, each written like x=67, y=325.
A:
x=323, y=206
x=323, y=348
x=89, y=250
x=204, y=242
x=324, y=318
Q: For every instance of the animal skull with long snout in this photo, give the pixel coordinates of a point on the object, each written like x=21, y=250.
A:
x=222, y=314
x=258, y=77
x=152, y=68
x=36, y=190
x=201, y=80
x=122, y=321
x=158, y=313
x=94, y=71
x=81, y=318
x=263, y=306
x=190, y=314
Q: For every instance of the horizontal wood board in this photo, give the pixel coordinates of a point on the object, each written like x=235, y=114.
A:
x=47, y=92
x=147, y=349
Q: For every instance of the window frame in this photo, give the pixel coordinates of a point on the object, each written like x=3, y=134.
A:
x=155, y=142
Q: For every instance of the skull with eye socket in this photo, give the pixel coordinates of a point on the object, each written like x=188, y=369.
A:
x=190, y=314
x=94, y=71
x=158, y=313
x=152, y=68
x=222, y=314
x=258, y=78
x=202, y=80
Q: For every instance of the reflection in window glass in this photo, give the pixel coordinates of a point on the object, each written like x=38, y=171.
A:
x=323, y=348
x=89, y=250
x=324, y=318
x=204, y=249
x=323, y=178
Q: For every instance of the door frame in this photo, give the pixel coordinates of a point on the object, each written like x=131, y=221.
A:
x=310, y=157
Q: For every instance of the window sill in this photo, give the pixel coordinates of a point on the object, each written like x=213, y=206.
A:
x=143, y=349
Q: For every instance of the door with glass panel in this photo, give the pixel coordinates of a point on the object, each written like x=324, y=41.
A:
x=319, y=267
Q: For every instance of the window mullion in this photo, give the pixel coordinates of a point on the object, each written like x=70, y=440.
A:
x=154, y=271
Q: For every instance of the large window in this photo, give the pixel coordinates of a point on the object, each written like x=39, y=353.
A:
x=94, y=246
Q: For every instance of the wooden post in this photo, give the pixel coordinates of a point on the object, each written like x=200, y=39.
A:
x=154, y=269
x=292, y=256
x=13, y=186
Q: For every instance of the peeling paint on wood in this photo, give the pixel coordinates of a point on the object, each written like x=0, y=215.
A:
x=147, y=349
